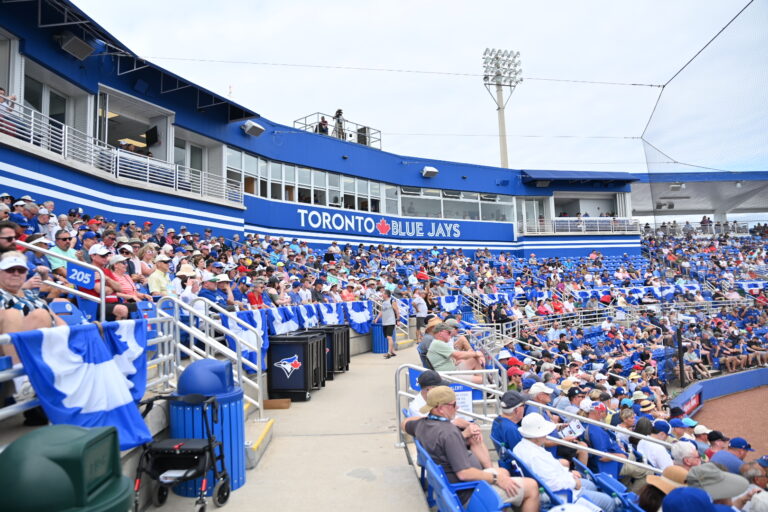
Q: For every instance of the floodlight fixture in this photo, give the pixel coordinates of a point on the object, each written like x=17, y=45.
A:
x=501, y=68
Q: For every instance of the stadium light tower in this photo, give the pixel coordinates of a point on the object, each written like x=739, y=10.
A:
x=501, y=69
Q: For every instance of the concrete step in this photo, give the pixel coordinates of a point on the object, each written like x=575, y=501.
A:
x=404, y=343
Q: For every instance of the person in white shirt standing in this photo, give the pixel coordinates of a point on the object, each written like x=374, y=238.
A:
x=420, y=307
x=531, y=451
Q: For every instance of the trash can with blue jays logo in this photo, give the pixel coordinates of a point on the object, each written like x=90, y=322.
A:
x=296, y=365
x=210, y=377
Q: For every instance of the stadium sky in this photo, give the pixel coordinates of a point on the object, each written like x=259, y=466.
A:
x=453, y=117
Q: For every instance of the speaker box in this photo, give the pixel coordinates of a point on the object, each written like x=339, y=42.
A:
x=75, y=46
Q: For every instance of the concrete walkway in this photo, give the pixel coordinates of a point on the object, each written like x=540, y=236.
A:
x=334, y=452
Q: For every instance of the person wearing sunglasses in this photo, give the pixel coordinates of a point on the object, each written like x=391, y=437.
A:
x=8, y=236
x=21, y=309
x=62, y=246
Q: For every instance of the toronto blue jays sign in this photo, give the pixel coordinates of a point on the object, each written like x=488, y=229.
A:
x=345, y=222
x=288, y=216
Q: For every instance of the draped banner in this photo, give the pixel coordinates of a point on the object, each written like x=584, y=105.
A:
x=359, y=315
x=82, y=379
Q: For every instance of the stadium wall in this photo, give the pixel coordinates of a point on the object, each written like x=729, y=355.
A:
x=693, y=398
x=24, y=173
x=320, y=226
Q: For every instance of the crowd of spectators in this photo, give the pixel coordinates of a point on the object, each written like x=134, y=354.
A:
x=616, y=371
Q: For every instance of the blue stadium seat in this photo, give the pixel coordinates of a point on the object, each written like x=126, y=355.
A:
x=68, y=312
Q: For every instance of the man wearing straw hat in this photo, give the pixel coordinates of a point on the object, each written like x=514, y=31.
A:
x=448, y=447
x=532, y=452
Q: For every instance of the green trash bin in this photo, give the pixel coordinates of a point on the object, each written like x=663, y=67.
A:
x=65, y=468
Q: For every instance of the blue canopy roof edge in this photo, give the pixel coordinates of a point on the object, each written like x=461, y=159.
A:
x=711, y=176
x=95, y=31
x=544, y=175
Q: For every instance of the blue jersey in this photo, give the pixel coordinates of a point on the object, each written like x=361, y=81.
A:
x=506, y=432
x=213, y=296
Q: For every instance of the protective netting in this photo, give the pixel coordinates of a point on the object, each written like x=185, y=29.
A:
x=713, y=113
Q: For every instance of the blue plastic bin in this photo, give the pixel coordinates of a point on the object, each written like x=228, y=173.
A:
x=380, y=345
x=211, y=378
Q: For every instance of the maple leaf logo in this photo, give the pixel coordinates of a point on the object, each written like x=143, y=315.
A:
x=383, y=227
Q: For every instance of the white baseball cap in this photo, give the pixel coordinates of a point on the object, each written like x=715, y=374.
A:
x=98, y=249
x=540, y=387
x=13, y=262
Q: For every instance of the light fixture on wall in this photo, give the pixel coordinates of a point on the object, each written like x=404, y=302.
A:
x=252, y=129
x=429, y=172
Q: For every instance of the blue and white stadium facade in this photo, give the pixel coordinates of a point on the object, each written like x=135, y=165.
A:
x=82, y=97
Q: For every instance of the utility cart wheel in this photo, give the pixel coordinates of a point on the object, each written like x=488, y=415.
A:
x=221, y=492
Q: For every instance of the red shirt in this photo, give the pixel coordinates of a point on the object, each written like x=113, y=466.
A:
x=110, y=275
x=256, y=299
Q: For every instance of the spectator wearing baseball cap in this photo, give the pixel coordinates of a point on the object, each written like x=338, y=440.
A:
x=721, y=486
x=515, y=378
x=600, y=439
x=542, y=394
x=717, y=442
x=427, y=380
x=678, y=428
x=700, y=438
x=655, y=454
x=504, y=430
x=733, y=456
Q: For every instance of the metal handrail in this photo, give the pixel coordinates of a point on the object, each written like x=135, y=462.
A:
x=28, y=125
x=210, y=342
x=245, y=325
x=584, y=225
x=101, y=300
x=498, y=394
x=606, y=455
x=356, y=132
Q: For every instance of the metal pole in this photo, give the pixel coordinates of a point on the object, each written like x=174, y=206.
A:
x=680, y=360
x=611, y=456
x=502, y=125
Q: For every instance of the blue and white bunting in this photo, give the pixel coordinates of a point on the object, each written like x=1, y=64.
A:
x=257, y=340
x=82, y=380
x=449, y=303
x=128, y=341
x=306, y=314
x=281, y=320
x=330, y=314
x=360, y=316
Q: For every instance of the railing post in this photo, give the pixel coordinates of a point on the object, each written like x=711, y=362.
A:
x=65, y=141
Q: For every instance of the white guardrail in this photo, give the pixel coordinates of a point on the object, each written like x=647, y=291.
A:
x=575, y=225
x=30, y=126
